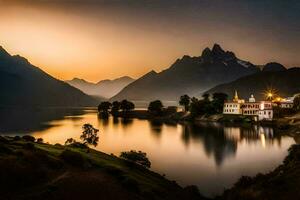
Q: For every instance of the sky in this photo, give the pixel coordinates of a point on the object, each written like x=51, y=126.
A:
x=106, y=39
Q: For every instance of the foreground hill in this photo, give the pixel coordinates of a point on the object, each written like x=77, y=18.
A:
x=22, y=84
x=32, y=171
x=104, y=88
x=188, y=75
x=284, y=82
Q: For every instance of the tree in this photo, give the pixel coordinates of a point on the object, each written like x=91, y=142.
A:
x=297, y=102
x=185, y=101
x=126, y=106
x=205, y=97
x=155, y=107
x=138, y=157
x=218, y=102
x=104, y=107
x=115, y=108
x=89, y=135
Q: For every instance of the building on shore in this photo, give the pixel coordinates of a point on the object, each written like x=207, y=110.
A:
x=258, y=110
x=233, y=107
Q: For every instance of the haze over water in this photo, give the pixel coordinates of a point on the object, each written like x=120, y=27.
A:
x=209, y=155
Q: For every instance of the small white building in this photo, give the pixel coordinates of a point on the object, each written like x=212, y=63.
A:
x=232, y=108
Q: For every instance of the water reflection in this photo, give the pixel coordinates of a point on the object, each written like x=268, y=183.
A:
x=210, y=155
x=26, y=120
x=215, y=140
x=221, y=141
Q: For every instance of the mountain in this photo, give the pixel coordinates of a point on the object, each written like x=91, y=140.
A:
x=104, y=88
x=22, y=84
x=273, y=67
x=188, y=75
x=284, y=83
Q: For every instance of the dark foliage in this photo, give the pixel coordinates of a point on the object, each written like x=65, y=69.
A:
x=40, y=140
x=104, y=107
x=29, y=138
x=138, y=157
x=155, y=107
x=126, y=105
x=89, y=135
x=116, y=106
x=206, y=106
x=185, y=101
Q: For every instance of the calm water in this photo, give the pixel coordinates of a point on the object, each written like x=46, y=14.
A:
x=209, y=155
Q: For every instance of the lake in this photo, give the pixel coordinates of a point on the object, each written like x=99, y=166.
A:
x=210, y=155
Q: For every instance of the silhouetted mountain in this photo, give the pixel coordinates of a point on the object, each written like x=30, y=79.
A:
x=22, y=84
x=285, y=83
x=104, y=88
x=188, y=75
x=273, y=67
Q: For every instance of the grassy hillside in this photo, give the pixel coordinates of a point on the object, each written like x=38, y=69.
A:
x=31, y=170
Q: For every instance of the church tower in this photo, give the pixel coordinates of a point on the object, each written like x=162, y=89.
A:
x=236, y=96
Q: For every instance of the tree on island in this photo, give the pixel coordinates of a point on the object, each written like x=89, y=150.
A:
x=115, y=108
x=104, y=108
x=155, y=107
x=185, y=101
x=126, y=106
x=89, y=135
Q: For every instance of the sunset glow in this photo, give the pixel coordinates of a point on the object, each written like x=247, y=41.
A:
x=113, y=39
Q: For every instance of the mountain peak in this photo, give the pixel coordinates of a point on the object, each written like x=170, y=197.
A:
x=217, y=49
x=3, y=53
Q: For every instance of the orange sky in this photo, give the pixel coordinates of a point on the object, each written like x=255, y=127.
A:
x=99, y=42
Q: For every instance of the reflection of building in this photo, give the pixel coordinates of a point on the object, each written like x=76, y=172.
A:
x=261, y=110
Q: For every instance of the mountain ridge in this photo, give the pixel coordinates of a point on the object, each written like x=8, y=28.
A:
x=23, y=84
x=188, y=75
x=283, y=83
x=104, y=88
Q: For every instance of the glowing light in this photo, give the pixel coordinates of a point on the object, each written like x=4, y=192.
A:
x=270, y=94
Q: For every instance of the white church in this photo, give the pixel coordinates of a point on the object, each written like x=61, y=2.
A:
x=262, y=110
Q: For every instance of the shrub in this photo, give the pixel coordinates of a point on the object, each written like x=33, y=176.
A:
x=17, y=138
x=70, y=141
x=79, y=145
x=73, y=158
x=138, y=157
x=40, y=140
x=3, y=140
x=29, y=138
